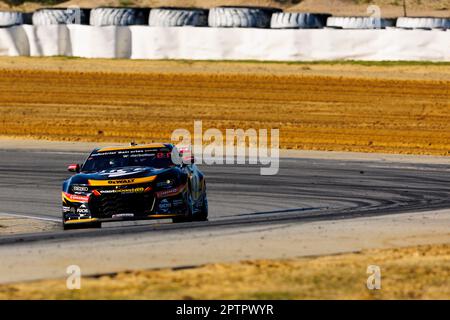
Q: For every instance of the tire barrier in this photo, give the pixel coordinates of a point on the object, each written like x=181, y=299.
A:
x=119, y=16
x=239, y=17
x=423, y=23
x=172, y=17
x=221, y=17
x=145, y=42
x=359, y=23
x=45, y=17
x=11, y=18
x=297, y=20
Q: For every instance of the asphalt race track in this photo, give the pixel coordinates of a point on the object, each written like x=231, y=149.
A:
x=304, y=189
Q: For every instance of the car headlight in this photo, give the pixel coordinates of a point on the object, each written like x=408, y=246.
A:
x=79, y=188
x=166, y=183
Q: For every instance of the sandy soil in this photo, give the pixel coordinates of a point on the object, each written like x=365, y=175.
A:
x=14, y=225
x=314, y=110
x=389, y=8
x=408, y=273
x=372, y=70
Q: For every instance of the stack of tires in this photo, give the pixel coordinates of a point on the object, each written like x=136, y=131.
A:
x=219, y=17
x=11, y=18
x=359, y=23
x=423, y=23
x=240, y=17
x=178, y=17
x=297, y=20
x=43, y=17
x=108, y=16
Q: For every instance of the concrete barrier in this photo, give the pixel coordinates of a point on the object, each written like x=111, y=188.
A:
x=145, y=42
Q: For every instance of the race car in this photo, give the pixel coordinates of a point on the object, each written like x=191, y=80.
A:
x=137, y=182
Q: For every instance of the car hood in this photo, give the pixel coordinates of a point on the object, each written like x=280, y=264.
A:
x=123, y=175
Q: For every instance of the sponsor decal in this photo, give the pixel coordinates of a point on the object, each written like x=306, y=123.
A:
x=120, y=182
x=80, y=189
x=74, y=197
x=142, y=147
x=82, y=210
x=164, y=205
x=177, y=202
x=115, y=173
x=133, y=190
x=123, y=215
x=66, y=209
x=170, y=192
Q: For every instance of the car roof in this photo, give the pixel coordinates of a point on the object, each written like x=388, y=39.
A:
x=133, y=147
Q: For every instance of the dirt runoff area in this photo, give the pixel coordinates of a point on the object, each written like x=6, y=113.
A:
x=421, y=272
x=380, y=107
x=11, y=225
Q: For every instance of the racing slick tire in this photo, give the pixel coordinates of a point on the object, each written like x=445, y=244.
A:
x=11, y=18
x=240, y=17
x=360, y=22
x=203, y=214
x=298, y=20
x=170, y=17
x=423, y=23
x=60, y=16
x=104, y=16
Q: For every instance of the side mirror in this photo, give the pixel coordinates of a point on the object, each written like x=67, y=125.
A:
x=74, y=168
x=187, y=157
x=183, y=156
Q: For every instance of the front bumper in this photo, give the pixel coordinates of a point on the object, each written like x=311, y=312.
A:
x=105, y=205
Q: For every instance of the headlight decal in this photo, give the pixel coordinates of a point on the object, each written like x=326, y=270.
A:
x=75, y=198
x=171, y=192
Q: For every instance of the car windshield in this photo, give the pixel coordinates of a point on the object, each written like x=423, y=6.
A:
x=155, y=158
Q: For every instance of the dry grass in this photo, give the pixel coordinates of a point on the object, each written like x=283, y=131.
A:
x=313, y=111
x=408, y=273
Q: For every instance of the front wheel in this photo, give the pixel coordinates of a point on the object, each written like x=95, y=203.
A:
x=203, y=214
x=189, y=209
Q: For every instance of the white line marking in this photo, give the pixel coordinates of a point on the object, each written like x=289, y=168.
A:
x=29, y=217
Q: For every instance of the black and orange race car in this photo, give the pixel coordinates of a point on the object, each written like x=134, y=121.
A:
x=138, y=182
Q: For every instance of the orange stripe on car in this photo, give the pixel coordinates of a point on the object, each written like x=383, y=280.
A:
x=81, y=221
x=120, y=182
